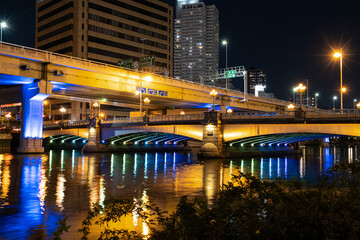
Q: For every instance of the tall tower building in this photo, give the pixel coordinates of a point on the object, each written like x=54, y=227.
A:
x=257, y=77
x=107, y=30
x=196, y=40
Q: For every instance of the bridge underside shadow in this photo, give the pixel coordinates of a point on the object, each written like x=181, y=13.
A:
x=278, y=139
x=64, y=141
x=147, y=138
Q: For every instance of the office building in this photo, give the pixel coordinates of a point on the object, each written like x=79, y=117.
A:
x=196, y=40
x=107, y=30
x=257, y=78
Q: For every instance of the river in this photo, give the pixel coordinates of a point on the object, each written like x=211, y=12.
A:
x=37, y=190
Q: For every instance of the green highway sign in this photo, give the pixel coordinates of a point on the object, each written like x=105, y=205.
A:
x=147, y=61
x=230, y=74
x=127, y=63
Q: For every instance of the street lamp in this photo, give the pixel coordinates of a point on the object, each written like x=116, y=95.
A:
x=146, y=102
x=229, y=110
x=213, y=94
x=355, y=100
x=2, y=25
x=301, y=89
x=334, y=99
x=291, y=106
x=147, y=79
x=62, y=110
x=339, y=55
x=226, y=67
x=316, y=97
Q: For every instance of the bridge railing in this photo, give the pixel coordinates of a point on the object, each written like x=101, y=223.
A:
x=62, y=124
x=123, y=120
x=345, y=113
x=170, y=118
x=257, y=115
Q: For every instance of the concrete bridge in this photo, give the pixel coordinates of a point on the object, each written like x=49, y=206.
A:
x=234, y=130
x=31, y=75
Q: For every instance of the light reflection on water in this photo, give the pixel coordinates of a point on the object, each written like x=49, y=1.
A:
x=36, y=190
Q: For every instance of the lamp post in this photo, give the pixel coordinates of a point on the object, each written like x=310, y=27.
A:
x=62, y=110
x=355, y=100
x=96, y=105
x=316, y=98
x=339, y=55
x=213, y=94
x=146, y=102
x=226, y=66
x=2, y=25
x=147, y=79
x=301, y=89
x=334, y=99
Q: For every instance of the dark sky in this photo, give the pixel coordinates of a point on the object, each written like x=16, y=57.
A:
x=291, y=40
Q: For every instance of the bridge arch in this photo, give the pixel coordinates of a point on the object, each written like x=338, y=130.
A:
x=156, y=138
x=189, y=131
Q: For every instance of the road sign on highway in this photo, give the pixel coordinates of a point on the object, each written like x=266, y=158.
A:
x=230, y=74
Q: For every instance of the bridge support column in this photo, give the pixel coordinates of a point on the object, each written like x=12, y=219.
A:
x=212, y=136
x=32, y=116
x=93, y=144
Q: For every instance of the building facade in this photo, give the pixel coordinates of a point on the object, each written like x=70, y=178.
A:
x=196, y=40
x=107, y=30
x=257, y=78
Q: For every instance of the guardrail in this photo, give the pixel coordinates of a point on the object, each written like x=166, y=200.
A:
x=171, y=118
x=123, y=120
x=65, y=124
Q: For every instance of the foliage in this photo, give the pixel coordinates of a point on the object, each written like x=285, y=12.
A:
x=62, y=227
x=249, y=208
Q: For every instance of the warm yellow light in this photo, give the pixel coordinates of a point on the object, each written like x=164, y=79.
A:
x=96, y=104
x=147, y=78
x=137, y=92
x=343, y=89
x=45, y=102
x=213, y=93
x=92, y=130
x=301, y=88
x=146, y=100
x=62, y=109
x=210, y=127
x=103, y=100
x=182, y=113
x=358, y=105
x=291, y=106
x=8, y=115
x=229, y=110
x=337, y=55
x=102, y=115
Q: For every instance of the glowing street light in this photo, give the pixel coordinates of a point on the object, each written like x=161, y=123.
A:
x=291, y=106
x=62, y=110
x=147, y=79
x=226, y=66
x=213, y=94
x=301, y=89
x=146, y=102
x=334, y=99
x=182, y=113
x=339, y=55
x=316, y=98
x=355, y=100
x=358, y=105
x=2, y=25
x=229, y=110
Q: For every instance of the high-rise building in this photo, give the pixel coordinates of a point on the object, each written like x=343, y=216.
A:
x=257, y=77
x=107, y=30
x=196, y=40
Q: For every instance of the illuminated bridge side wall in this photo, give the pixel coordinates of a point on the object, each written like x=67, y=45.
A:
x=238, y=131
x=80, y=132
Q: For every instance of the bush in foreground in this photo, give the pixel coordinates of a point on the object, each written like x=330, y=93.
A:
x=248, y=208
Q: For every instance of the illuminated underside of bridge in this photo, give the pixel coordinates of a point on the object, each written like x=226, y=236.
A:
x=278, y=139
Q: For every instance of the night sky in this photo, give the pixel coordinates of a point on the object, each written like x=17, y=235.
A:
x=290, y=40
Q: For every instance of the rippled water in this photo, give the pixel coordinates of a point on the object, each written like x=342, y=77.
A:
x=37, y=190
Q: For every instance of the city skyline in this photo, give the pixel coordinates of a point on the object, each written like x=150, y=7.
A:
x=290, y=42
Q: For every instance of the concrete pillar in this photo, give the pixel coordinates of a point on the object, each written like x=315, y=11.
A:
x=32, y=116
x=94, y=137
x=75, y=111
x=212, y=135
